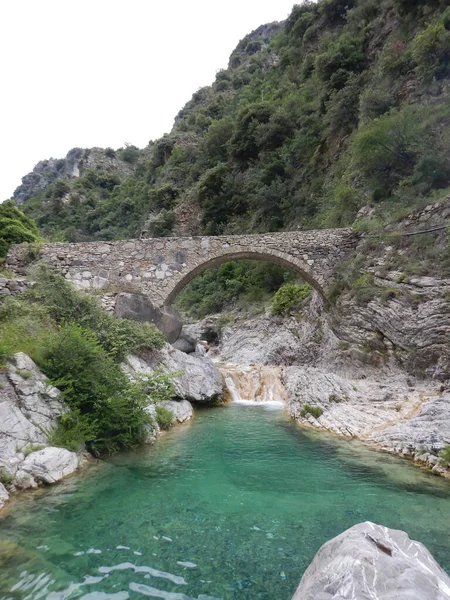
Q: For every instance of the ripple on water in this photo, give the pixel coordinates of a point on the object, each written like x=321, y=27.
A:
x=232, y=507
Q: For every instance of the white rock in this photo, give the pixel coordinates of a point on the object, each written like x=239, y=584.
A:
x=3, y=495
x=198, y=379
x=24, y=480
x=29, y=408
x=369, y=562
x=181, y=409
x=50, y=464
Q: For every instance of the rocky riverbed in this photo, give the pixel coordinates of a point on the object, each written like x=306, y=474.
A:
x=325, y=386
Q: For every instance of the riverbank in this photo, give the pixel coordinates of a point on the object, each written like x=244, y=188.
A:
x=241, y=492
x=326, y=387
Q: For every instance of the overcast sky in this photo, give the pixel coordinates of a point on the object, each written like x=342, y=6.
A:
x=108, y=72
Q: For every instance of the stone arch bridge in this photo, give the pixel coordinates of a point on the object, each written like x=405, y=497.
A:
x=161, y=267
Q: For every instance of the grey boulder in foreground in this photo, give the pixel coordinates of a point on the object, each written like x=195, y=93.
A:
x=372, y=562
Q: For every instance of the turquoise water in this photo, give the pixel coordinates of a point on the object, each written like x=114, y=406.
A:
x=232, y=506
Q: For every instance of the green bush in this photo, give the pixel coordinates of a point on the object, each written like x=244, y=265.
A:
x=364, y=288
x=164, y=417
x=314, y=411
x=162, y=225
x=431, y=51
x=289, y=296
x=107, y=409
x=118, y=337
x=220, y=288
x=129, y=154
x=15, y=227
x=445, y=456
x=387, y=149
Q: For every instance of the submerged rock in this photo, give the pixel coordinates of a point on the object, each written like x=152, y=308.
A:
x=50, y=464
x=369, y=561
x=181, y=409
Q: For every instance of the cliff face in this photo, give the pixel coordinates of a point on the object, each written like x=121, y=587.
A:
x=74, y=165
x=343, y=105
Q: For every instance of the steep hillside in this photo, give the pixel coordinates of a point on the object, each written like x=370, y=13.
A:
x=346, y=104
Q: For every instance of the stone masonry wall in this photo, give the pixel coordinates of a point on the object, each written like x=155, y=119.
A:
x=161, y=267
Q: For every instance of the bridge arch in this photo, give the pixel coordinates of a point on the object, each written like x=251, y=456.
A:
x=160, y=267
x=271, y=256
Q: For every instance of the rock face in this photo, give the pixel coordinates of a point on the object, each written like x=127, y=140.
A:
x=75, y=164
x=369, y=562
x=198, y=381
x=181, y=409
x=50, y=464
x=139, y=308
x=422, y=437
x=29, y=409
x=3, y=495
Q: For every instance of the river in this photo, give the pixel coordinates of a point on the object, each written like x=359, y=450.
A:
x=233, y=505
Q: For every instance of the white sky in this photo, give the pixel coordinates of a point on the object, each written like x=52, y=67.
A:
x=105, y=72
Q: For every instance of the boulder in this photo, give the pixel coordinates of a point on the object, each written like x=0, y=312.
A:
x=185, y=343
x=428, y=432
x=3, y=495
x=29, y=411
x=140, y=308
x=50, y=464
x=181, y=409
x=197, y=379
x=371, y=561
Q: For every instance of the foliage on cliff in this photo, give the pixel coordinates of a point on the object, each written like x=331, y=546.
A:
x=79, y=347
x=344, y=104
x=15, y=227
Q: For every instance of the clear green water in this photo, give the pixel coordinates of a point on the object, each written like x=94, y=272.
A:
x=241, y=493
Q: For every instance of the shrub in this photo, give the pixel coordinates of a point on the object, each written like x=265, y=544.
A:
x=289, y=296
x=386, y=150
x=389, y=293
x=364, y=289
x=445, y=456
x=15, y=227
x=6, y=353
x=118, y=337
x=431, y=51
x=314, y=411
x=107, y=410
x=162, y=225
x=129, y=154
x=164, y=417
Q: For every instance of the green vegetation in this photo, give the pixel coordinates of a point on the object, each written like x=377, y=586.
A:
x=289, y=297
x=445, y=456
x=79, y=347
x=221, y=288
x=314, y=411
x=32, y=448
x=15, y=227
x=345, y=104
x=164, y=417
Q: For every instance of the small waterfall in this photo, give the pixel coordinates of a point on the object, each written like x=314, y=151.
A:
x=254, y=384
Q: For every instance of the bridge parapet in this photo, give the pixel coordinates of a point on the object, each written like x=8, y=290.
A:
x=161, y=267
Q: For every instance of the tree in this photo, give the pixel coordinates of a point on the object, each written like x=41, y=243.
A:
x=15, y=227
